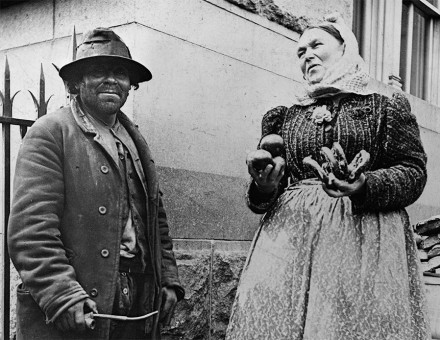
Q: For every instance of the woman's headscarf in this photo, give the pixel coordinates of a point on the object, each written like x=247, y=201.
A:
x=348, y=75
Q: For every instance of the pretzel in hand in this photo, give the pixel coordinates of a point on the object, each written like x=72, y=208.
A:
x=333, y=161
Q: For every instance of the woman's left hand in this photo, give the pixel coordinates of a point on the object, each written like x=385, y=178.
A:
x=338, y=188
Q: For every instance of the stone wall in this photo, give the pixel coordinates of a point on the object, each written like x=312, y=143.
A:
x=210, y=271
x=274, y=13
x=296, y=15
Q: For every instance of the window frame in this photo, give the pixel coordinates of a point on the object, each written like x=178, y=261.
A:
x=378, y=26
x=432, y=14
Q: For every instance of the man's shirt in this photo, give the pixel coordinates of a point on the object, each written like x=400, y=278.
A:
x=120, y=146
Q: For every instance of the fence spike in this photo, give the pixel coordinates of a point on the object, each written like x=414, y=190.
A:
x=23, y=130
x=74, y=44
x=3, y=96
x=6, y=97
x=42, y=86
x=56, y=67
x=12, y=98
x=47, y=101
x=37, y=105
x=7, y=107
x=7, y=72
x=41, y=104
x=72, y=47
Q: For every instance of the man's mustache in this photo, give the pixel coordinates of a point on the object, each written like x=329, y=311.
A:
x=110, y=89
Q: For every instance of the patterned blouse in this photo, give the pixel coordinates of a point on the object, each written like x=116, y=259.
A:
x=384, y=127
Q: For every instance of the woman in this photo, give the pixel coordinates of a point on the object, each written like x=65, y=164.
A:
x=335, y=259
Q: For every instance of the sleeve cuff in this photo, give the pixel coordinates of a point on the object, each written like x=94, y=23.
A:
x=72, y=301
x=180, y=292
x=260, y=202
x=359, y=201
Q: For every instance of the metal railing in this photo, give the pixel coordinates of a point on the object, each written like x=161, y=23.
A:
x=6, y=120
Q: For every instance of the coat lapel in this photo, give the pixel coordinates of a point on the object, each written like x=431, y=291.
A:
x=88, y=128
x=145, y=157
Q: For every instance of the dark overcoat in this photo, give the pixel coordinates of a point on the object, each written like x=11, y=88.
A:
x=65, y=225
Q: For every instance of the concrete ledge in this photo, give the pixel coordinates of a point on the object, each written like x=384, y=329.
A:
x=295, y=15
x=206, y=206
x=273, y=12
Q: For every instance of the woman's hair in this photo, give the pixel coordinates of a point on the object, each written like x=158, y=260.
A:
x=330, y=29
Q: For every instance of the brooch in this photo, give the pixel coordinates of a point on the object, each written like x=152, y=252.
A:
x=321, y=115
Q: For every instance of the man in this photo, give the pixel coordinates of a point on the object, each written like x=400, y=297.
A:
x=88, y=232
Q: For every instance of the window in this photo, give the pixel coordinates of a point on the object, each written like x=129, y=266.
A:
x=400, y=42
x=417, y=46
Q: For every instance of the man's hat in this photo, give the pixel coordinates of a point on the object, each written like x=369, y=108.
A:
x=104, y=45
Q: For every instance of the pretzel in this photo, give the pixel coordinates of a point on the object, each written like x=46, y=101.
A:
x=317, y=169
x=334, y=163
x=339, y=155
x=330, y=163
x=358, y=165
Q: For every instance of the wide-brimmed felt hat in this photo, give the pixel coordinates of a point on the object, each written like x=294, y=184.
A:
x=104, y=45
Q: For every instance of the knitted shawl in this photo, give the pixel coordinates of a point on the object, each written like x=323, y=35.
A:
x=348, y=75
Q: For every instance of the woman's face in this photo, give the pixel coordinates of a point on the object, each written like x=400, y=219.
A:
x=317, y=51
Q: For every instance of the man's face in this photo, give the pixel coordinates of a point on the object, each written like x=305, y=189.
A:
x=104, y=88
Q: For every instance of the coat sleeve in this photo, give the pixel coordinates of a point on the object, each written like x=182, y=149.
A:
x=401, y=178
x=34, y=239
x=170, y=276
x=256, y=200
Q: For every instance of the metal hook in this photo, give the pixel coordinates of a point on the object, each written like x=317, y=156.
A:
x=90, y=322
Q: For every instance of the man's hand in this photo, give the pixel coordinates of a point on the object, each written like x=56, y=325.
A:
x=73, y=319
x=169, y=300
x=338, y=188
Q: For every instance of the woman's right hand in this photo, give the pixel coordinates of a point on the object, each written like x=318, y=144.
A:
x=268, y=179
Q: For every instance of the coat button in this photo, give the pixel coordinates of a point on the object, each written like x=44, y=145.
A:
x=105, y=253
x=125, y=291
x=102, y=210
x=94, y=292
x=104, y=169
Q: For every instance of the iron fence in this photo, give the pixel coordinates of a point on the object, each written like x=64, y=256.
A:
x=6, y=121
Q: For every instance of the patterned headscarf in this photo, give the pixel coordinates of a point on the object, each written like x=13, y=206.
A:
x=348, y=75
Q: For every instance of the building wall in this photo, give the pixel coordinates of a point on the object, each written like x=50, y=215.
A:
x=217, y=67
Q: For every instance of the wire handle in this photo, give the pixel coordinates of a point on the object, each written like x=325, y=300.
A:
x=90, y=322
